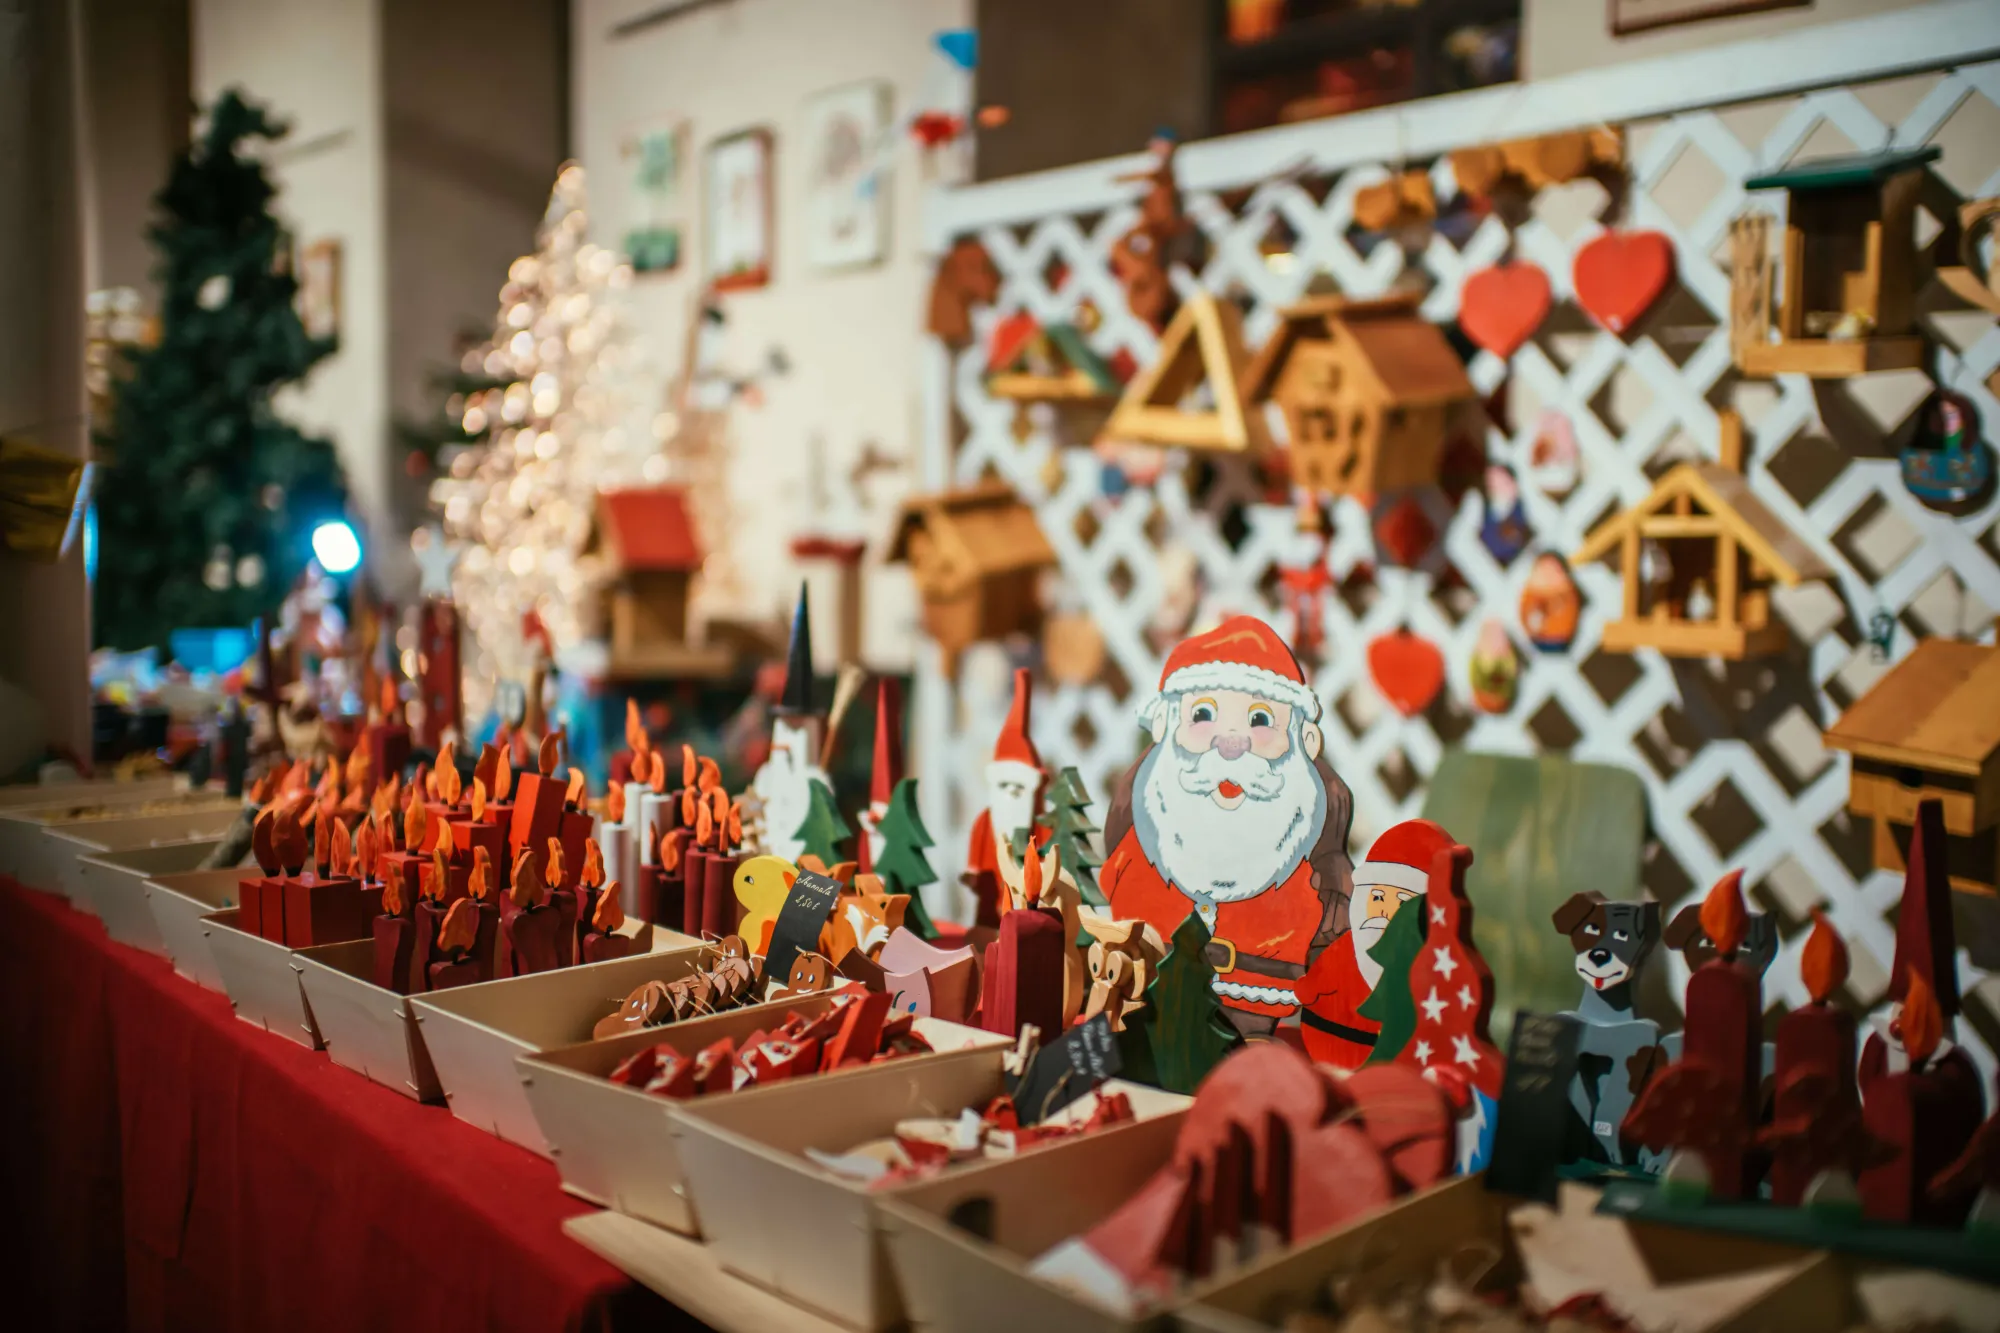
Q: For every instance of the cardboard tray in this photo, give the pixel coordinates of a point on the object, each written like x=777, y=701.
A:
x=473, y=1033
x=366, y=1028
x=614, y=1145
x=64, y=844
x=26, y=853
x=42, y=795
x=262, y=980
x=775, y=1218
x=112, y=887
x=179, y=905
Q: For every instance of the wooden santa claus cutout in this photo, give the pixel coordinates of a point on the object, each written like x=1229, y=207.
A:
x=784, y=784
x=1015, y=782
x=1233, y=815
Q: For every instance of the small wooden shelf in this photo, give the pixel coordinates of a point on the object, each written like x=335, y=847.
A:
x=1826, y=358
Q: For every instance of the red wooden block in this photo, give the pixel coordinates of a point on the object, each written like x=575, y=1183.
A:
x=468, y=837
x=250, y=905
x=388, y=748
x=395, y=940
x=532, y=939
x=270, y=912
x=603, y=948
x=563, y=903
x=1024, y=975
x=407, y=869
x=860, y=1033
x=694, y=875
x=576, y=828
x=538, y=811
x=438, y=813
x=328, y=911
x=1724, y=1035
x=719, y=907
x=714, y=1065
x=1815, y=1078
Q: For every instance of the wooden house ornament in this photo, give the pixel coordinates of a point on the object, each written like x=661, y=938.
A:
x=977, y=555
x=1930, y=730
x=1368, y=390
x=1031, y=362
x=1843, y=300
x=1202, y=347
x=1698, y=558
x=646, y=540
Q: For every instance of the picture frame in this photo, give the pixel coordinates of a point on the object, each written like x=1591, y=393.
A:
x=319, y=288
x=739, y=229
x=1630, y=16
x=653, y=155
x=845, y=211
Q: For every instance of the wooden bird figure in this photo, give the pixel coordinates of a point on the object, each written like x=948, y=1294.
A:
x=761, y=884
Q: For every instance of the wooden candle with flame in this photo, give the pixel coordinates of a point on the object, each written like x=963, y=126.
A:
x=402, y=857
x=445, y=790
x=289, y=855
x=1707, y=1101
x=614, y=840
x=601, y=942
x=250, y=889
x=496, y=770
x=456, y=961
x=649, y=803
x=538, y=801
x=720, y=909
x=530, y=925
x=473, y=829
x=663, y=892
x=1926, y=1113
x=695, y=851
x=394, y=927
x=328, y=904
x=577, y=823
x=435, y=899
x=1024, y=966
x=1816, y=1125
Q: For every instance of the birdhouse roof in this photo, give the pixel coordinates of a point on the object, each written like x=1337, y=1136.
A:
x=1071, y=346
x=984, y=528
x=1722, y=493
x=1938, y=708
x=1010, y=339
x=1411, y=361
x=1846, y=170
x=648, y=528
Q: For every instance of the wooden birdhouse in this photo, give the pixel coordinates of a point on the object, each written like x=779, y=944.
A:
x=647, y=542
x=1189, y=397
x=977, y=555
x=1032, y=362
x=1930, y=730
x=1844, y=300
x=1698, y=558
x=1368, y=389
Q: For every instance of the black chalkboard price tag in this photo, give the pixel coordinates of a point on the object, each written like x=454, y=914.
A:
x=806, y=910
x=1534, y=1115
x=1064, y=1070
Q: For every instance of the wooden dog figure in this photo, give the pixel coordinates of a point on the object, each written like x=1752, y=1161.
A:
x=1611, y=942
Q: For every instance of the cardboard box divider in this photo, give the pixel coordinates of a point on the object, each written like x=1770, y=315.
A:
x=65, y=843
x=685, y=1271
x=262, y=980
x=614, y=1144
x=27, y=854
x=775, y=1218
x=180, y=906
x=113, y=887
x=474, y=1032
x=364, y=1027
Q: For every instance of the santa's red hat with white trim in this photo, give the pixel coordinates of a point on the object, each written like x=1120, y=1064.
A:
x=1242, y=653
x=1401, y=857
x=1016, y=747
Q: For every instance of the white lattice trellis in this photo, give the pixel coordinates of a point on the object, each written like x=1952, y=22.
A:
x=1708, y=744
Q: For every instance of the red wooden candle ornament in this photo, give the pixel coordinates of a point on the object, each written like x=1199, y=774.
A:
x=1816, y=1126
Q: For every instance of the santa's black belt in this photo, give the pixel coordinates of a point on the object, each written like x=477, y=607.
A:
x=1224, y=958
x=1355, y=1035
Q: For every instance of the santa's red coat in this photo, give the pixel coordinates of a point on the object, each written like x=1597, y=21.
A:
x=1332, y=992
x=1277, y=924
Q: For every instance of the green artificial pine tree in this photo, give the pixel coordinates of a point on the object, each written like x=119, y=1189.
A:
x=1391, y=1004
x=1182, y=1032
x=1069, y=817
x=205, y=512
x=903, y=867
x=824, y=830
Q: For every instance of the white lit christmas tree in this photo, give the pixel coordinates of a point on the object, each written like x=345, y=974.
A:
x=569, y=414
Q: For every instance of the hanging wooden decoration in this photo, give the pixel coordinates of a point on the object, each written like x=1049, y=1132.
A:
x=1550, y=604
x=1408, y=670
x=1618, y=276
x=1501, y=307
x=1404, y=533
x=1504, y=529
x=1202, y=346
x=1555, y=464
x=1495, y=669
x=1946, y=464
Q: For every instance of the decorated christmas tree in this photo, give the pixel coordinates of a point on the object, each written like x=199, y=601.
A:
x=206, y=511
x=561, y=406
x=1182, y=1032
x=824, y=830
x=903, y=866
x=1391, y=1003
x=1069, y=817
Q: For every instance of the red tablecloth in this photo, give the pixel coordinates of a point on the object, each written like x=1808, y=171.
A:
x=165, y=1166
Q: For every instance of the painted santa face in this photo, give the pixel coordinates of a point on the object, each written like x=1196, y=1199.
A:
x=1231, y=801
x=1013, y=791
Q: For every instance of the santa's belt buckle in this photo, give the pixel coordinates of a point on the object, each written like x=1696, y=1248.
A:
x=1221, y=968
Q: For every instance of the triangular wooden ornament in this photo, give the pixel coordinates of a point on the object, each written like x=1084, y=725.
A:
x=1203, y=344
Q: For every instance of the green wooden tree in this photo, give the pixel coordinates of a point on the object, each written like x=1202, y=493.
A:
x=824, y=830
x=1069, y=817
x=1391, y=1003
x=1182, y=1032
x=903, y=866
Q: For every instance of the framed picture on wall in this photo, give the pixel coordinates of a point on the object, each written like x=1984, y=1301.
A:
x=654, y=158
x=739, y=231
x=319, y=289
x=846, y=208
x=1639, y=15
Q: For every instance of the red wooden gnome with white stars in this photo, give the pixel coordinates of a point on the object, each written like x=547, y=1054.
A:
x=1453, y=991
x=1015, y=781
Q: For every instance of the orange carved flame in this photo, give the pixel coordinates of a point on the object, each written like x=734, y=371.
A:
x=341, y=859
x=445, y=839
x=704, y=825
x=670, y=851
x=610, y=913
x=289, y=839
x=710, y=776
x=689, y=767
x=1031, y=877
x=690, y=798
x=1723, y=916
x=489, y=755
x=358, y=765
x=635, y=733
x=385, y=833
x=656, y=772
x=1823, y=961
x=297, y=779
x=460, y=930
x=322, y=853
x=448, y=785
x=554, y=871
x=734, y=825
x=614, y=804
x=478, y=801
x=503, y=775
x=479, y=883
x=439, y=879
x=718, y=810
x=367, y=851
x=1922, y=1021
x=416, y=821
x=262, y=831
x=592, y=874
x=577, y=789
x=526, y=890
x=549, y=754
x=392, y=896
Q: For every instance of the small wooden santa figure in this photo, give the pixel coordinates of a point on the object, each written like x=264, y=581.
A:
x=1015, y=782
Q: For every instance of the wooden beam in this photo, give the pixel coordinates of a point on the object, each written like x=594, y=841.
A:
x=1725, y=578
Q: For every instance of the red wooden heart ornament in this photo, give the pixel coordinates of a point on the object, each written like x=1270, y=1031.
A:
x=1619, y=275
x=1408, y=670
x=1501, y=307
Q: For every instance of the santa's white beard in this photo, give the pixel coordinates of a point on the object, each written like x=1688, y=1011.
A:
x=1010, y=814
x=784, y=785
x=1364, y=937
x=1225, y=856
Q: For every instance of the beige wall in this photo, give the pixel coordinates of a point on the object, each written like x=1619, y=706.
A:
x=1563, y=36
x=853, y=338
